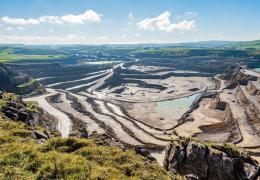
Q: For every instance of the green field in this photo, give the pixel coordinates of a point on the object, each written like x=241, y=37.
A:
x=7, y=55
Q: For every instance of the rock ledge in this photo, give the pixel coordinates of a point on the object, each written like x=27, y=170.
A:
x=209, y=161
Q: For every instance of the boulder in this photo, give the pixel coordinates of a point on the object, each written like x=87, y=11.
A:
x=8, y=108
x=12, y=104
x=23, y=116
x=80, y=133
x=47, y=133
x=11, y=115
x=39, y=135
x=83, y=132
x=142, y=150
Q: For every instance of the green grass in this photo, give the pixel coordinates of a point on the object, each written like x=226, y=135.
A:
x=29, y=83
x=7, y=55
x=67, y=158
x=229, y=149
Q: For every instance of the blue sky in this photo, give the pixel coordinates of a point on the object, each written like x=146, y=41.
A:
x=127, y=21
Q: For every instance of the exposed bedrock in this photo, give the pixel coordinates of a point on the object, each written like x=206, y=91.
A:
x=65, y=85
x=253, y=89
x=164, y=76
x=13, y=81
x=251, y=108
x=217, y=82
x=218, y=162
x=227, y=124
x=33, y=116
x=117, y=79
x=238, y=77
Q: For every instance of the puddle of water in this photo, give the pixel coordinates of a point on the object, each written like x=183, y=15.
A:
x=176, y=107
x=257, y=70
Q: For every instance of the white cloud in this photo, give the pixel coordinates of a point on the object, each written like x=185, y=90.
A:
x=87, y=16
x=163, y=23
x=19, y=21
x=50, y=19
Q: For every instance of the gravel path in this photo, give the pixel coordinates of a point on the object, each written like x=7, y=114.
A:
x=64, y=122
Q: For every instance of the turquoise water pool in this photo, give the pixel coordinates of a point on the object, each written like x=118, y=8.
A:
x=175, y=108
x=257, y=69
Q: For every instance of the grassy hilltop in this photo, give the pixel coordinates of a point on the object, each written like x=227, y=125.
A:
x=66, y=158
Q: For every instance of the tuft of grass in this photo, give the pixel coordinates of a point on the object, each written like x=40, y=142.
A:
x=32, y=107
x=229, y=149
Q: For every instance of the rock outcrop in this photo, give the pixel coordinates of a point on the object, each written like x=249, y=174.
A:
x=236, y=76
x=251, y=109
x=14, y=109
x=16, y=82
x=202, y=161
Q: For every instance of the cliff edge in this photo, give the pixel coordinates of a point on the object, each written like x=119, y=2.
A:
x=15, y=82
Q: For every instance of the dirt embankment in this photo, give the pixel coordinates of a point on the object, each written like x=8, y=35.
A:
x=227, y=123
x=251, y=109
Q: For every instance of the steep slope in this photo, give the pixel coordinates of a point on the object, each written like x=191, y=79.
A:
x=204, y=160
x=16, y=82
x=30, y=152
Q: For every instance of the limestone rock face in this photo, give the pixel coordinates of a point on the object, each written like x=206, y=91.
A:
x=193, y=159
x=15, y=82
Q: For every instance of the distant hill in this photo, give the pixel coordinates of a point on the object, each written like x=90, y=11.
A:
x=245, y=45
x=205, y=44
x=199, y=44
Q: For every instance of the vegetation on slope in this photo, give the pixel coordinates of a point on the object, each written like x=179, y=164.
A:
x=230, y=149
x=246, y=45
x=66, y=158
x=29, y=83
